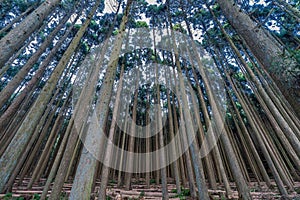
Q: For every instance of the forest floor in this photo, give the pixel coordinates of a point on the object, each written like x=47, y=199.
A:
x=139, y=191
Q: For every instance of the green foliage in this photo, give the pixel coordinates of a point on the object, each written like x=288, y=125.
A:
x=250, y=65
x=178, y=13
x=238, y=105
x=184, y=193
x=213, y=32
x=226, y=25
x=85, y=47
x=141, y=24
x=9, y=196
x=23, y=4
x=42, y=35
x=296, y=55
x=36, y=196
x=216, y=7
x=200, y=14
x=95, y=36
x=115, y=32
x=112, y=182
x=2, y=34
x=63, y=196
x=239, y=76
x=152, y=181
x=93, y=24
x=77, y=26
x=178, y=27
x=68, y=24
x=282, y=32
x=67, y=3
x=142, y=194
x=228, y=115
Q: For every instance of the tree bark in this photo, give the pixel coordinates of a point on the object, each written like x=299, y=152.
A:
x=10, y=157
x=11, y=42
x=286, y=6
x=109, y=148
x=16, y=81
x=87, y=164
x=8, y=26
x=265, y=50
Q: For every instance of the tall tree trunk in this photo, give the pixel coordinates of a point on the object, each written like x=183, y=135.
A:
x=68, y=136
x=16, y=81
x=132, y=140
x=183, y=133
x=286, y=6
x=10, y=157
x=196, y=161
x=109, y=148
x=265, y=50
x=162, y=158
x=32, y=84
x=270, y=105
x=172, y=135
x=28, y=10
x=11, y=42
x=86, y=170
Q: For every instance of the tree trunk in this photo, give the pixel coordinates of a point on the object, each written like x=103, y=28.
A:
x=131, y=143
x=11, y=42
x=32, y=84
x=109, y=148
x=28, y=10
x=10, y=157
x=17, y=80
x=286, y=6
x=86, y=170
x=171, y=132
x=266, y=51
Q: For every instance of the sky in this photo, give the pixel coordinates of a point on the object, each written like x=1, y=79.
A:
x=108, y=9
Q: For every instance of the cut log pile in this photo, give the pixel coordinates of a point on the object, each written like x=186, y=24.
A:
x=141, y=192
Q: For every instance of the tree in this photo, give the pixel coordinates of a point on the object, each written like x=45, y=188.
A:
x=15, y=148
x=11, y=42
x=266, y=51
x=218, y=111
x=17, y=80
x=86, y=170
